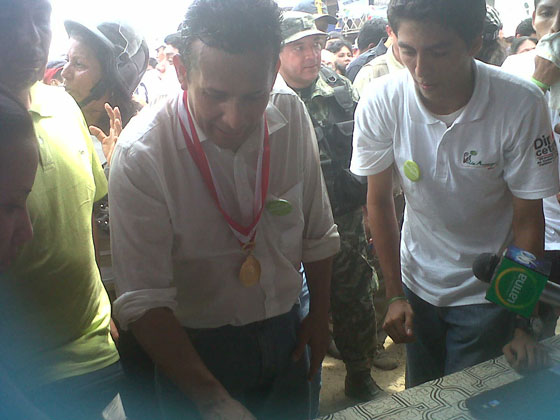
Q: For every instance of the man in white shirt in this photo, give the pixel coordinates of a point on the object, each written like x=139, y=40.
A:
x=216, y=199
x=466, y=141
x=546, y=20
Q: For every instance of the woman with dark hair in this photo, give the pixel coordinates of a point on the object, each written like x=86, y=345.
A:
x=105, y=65
x=343, y=53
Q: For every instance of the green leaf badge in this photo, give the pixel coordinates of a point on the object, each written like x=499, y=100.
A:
x=279, y=207
x=412, y=170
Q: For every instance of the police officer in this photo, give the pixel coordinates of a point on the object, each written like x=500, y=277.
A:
x=331, y=101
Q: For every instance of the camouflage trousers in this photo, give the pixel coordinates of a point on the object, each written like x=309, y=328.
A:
x=353, y=285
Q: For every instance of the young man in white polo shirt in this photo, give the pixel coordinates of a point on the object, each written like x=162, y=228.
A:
x=467, y=141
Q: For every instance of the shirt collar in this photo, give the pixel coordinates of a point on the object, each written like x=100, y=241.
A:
x=274, y=118
x=474, y=110
x=40, y=105
x=392, y=62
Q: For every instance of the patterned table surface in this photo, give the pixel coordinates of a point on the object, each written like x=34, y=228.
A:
x=444, y=398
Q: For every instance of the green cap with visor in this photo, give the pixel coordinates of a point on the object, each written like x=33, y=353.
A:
x=298, y=25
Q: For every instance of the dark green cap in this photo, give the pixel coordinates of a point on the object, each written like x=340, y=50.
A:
x=298, y=25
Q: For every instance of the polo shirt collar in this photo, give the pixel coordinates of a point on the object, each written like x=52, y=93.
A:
x=474, y=110
x=40, y=105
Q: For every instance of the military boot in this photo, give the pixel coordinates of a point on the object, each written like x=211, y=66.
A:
x=360, y=386
x=383, y=360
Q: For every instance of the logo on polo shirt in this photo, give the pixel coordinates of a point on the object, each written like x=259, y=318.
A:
x=545, y=150
x=471, y=159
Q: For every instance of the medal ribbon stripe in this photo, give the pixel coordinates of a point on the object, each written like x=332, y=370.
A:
x=244, y=234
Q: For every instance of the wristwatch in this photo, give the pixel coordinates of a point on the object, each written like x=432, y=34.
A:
x=532, y=326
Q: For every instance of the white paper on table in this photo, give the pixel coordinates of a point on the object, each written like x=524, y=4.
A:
x=115, y=410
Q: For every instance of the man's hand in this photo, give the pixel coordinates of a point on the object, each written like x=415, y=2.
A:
x=546, y=71
x=108, y=142
x=523, y=353
x=399, y=322
x=225, y=409
x=314, y=331
x=167, y=343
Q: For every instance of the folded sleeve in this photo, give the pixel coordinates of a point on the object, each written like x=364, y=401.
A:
x=531, y=154
x=372, y=150
x=141, y=236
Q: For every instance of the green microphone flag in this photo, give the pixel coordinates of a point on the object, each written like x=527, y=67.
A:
x=518, y=281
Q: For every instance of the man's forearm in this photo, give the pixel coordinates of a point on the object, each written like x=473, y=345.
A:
x=385, y=234
x=318, y=275
x=164, y=339
x=385, y=230
x=528, y=225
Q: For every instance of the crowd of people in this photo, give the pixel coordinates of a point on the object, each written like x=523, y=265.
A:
x=185, y=235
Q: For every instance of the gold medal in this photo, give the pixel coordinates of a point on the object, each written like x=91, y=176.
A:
x=250, y=272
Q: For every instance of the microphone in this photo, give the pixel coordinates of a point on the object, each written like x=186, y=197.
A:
x=518, y=280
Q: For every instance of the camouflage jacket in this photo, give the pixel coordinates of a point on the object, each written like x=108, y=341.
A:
x=331, y=101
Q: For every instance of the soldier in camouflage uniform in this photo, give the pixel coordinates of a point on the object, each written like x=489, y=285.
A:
x=331, y=100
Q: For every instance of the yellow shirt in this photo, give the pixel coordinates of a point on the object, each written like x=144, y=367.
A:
x=54, y=311
x=379, y=66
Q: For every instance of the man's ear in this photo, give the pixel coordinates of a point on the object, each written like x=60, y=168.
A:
x=476, y=46
x=276, y=70
x=181, y=71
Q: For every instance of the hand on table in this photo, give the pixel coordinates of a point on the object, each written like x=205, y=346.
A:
x=524, y=353
x=399, y=322
x=225, y=409
x=313, y=331
x=108, y=142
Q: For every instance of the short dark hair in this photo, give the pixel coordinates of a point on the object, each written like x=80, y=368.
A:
x=525, y=28
x=372, y=32
x=464, y=17
x=516, y=43
x=16, y=124
x=236, y=27
x=337, y=45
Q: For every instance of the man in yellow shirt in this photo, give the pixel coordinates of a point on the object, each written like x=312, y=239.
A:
x=54, y=311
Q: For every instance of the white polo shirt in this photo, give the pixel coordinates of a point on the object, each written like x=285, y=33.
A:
x=523, y=65
x=462, y=204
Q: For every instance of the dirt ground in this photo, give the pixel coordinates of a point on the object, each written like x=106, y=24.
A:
x=334, y=372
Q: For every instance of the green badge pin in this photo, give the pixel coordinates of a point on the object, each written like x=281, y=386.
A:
x=412, y=170
x=279, y=207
